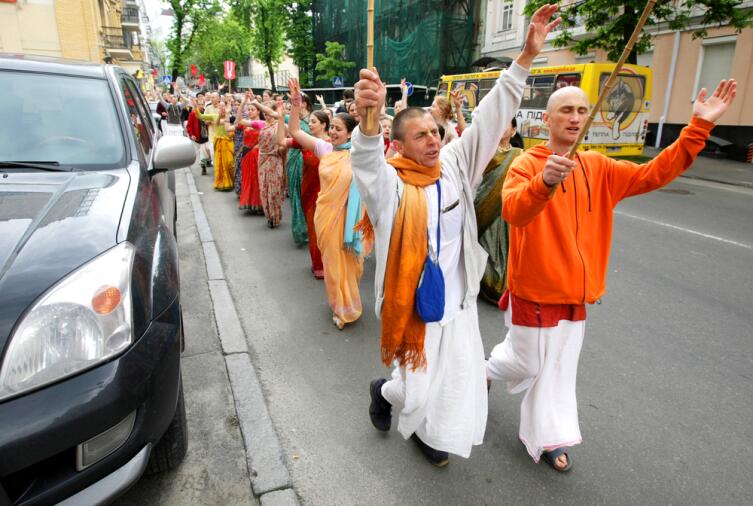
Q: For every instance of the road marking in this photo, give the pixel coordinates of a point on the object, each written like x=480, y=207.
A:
x=689, y=231
x=713, y=184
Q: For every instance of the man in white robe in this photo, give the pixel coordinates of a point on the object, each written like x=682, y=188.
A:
x=442, y=402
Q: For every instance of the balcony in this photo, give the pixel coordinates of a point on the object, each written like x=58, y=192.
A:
x=129, y=19
x=116, y=44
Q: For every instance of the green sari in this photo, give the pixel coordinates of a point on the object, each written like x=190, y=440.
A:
x=294, y=171
x=493, y=231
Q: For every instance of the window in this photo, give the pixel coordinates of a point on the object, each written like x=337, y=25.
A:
x=504, y=15
x=567, y=80
x=714, y=64
x=71, y=120
x=537, y=91
x=136, y=119
x=484, y=86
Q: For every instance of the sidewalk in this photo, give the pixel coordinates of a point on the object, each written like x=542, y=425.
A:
x=716, y=170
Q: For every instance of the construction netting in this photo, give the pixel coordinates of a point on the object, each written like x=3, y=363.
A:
x=416, y=39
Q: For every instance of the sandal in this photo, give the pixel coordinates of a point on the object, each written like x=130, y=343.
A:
x=551, y=457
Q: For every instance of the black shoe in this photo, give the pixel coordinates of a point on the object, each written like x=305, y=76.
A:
x=437, y=458
x=380, y=410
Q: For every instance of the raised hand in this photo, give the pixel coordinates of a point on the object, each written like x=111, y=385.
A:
x=370, y=92
x=280, y=107
x=457, y=98
x=537, y=32
x=713, y=107
x=402, y=84
x=294, y=91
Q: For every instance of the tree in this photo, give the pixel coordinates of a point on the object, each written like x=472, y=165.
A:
x=218, y=40
x=612, y=23
x=188, y=16
x=266, y=20
x=299, y=31
x=159, y=49
x=331, y=64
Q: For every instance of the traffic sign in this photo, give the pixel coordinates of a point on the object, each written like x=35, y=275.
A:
x=410, y=88
x=337, y=82
x=167, y=79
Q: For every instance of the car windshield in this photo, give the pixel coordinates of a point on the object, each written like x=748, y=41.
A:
x=69, y=120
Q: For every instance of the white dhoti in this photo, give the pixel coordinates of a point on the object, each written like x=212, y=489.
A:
x=543, y=362
x=446, y=403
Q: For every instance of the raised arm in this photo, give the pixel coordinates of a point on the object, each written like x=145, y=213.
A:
x=281, y=129
x=306, y=140
x=375, y=179
x=490, y=118
x=457, y=102
x=268, y=111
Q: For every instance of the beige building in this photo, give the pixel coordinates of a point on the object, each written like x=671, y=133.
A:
x=697, y=63
x=89, y=30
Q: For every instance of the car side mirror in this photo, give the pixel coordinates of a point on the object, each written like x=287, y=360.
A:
x=173, y=152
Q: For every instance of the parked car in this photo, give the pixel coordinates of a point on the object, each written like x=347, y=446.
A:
x=90, y=319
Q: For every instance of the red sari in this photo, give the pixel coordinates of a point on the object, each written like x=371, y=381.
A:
x=309, y=194
x=250, y=196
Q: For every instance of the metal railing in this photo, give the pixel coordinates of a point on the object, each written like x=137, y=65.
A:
x=130, y=15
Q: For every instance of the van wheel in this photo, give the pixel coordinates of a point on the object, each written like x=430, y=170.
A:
x=171, y=448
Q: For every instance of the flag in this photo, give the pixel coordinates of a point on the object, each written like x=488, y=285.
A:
x=194, y=70
x=202, y=80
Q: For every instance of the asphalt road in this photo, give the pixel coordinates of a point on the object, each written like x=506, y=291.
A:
x=665, y=380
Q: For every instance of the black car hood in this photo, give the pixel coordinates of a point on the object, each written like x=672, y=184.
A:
x=50, y=224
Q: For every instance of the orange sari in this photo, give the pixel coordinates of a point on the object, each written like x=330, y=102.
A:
x=342, y=267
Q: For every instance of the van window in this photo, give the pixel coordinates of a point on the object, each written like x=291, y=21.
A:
x=484, y=86
x=537, y=92
x=567, y=80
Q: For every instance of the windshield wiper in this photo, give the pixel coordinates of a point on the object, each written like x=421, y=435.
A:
x=41, y=165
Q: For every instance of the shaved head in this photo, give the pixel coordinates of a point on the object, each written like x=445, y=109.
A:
x=571, y=94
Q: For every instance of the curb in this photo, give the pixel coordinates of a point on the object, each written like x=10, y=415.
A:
x=270, y=479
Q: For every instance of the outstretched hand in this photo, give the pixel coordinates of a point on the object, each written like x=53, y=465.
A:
x=537, y=32
x=294, y=92
x=712, y=108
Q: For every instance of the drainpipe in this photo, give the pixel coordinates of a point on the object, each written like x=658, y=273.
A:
x=668, y=92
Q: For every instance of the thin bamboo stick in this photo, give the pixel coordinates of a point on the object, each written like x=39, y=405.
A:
x=370, y=113
x=609, y=84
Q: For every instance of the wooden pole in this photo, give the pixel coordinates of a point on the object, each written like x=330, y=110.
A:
x=610, y=82
x=371, y=113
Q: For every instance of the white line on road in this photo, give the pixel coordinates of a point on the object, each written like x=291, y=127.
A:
x=689, y=231
x=713, y=184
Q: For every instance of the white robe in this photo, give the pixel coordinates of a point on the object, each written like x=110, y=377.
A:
x=445, y=404
x=543, y=362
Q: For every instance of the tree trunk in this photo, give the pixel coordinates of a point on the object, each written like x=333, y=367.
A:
x=271, y=74
x=627, y=30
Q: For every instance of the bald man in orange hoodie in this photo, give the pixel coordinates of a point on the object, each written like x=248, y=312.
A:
x=560, y=213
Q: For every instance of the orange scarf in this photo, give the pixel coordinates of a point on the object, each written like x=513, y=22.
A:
x=403, y=331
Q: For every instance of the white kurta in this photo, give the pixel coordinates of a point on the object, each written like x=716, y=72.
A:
x=543, y=362
x=445, y=404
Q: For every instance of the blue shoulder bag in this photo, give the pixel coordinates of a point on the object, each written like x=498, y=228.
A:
x=430, y=291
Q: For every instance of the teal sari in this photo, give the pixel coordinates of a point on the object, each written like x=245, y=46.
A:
x=294, y=170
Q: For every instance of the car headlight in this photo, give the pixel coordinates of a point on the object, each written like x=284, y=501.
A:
x=83, y=320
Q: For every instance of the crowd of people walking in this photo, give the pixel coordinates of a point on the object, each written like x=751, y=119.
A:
x=462, y=208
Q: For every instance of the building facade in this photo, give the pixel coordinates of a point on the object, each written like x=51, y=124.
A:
x=99, y=31
x=697, y=63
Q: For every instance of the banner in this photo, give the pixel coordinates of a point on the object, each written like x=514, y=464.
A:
x=229, y=69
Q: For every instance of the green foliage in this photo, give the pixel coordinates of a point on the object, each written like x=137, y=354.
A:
x=299, y=31
x=331, y=64
x=159, y=48
x=266, y=20
x=218, y=40
x=611, y=23
x=188, y=17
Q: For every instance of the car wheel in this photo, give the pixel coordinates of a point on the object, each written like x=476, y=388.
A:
x=171, y=448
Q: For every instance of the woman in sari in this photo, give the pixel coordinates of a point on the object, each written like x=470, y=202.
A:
x=338, y=209
x=223, y=147
x=318, y=127
x=250, y=199
x=271, y=169
x=493, y=231
x=294, y=172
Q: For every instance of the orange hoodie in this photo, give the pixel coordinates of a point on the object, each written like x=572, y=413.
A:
x=559, y=241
